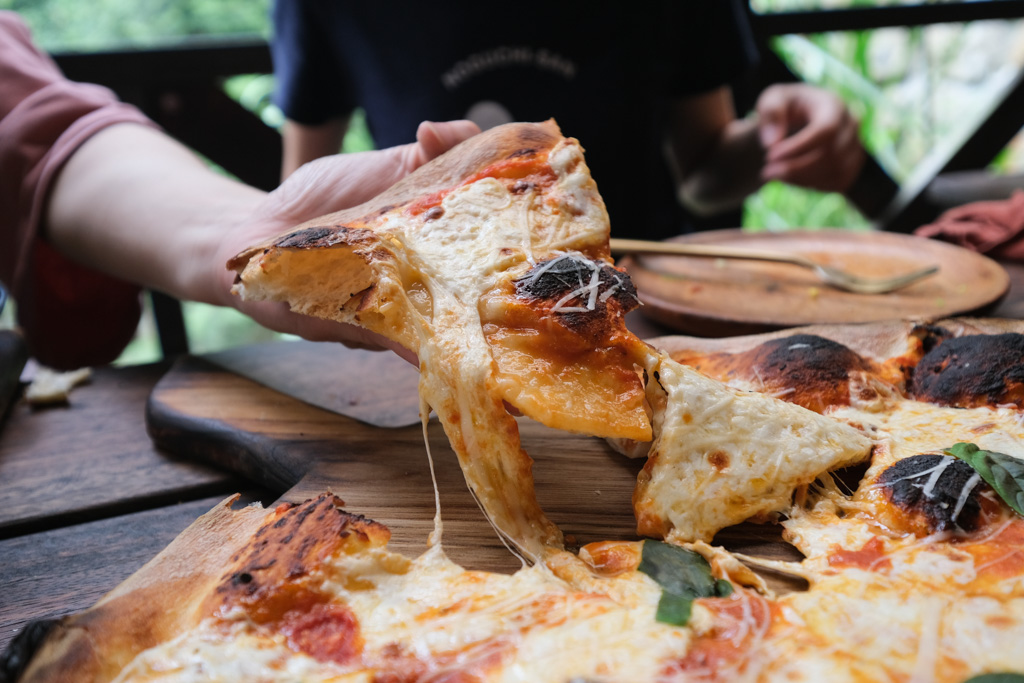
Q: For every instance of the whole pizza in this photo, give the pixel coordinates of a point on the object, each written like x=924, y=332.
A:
x=891, y=456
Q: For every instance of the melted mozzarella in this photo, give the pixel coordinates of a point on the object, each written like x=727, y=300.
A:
x=529, y=626
x=215, y=654
x=431, y=619
x=907, y=428
x=871, y=628
x=722, y=456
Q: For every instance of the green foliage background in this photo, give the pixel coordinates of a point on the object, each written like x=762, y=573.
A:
x=88, y=25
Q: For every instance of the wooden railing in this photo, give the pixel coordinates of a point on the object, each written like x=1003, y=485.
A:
x=181, y=89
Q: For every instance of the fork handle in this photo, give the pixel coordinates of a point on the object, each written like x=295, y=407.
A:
x=626, y=246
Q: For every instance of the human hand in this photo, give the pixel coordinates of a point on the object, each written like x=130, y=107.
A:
x=809, y=137
x=321, y=187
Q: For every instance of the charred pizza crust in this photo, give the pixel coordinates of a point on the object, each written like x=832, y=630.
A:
x=916, y=388
x=264, y=562
x=818, y=366
x=155, y=604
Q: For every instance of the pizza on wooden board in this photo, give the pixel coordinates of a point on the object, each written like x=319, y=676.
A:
x=491, y=264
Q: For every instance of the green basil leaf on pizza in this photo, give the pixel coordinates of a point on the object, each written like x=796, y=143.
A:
x=684, y=576
x=1004, y=473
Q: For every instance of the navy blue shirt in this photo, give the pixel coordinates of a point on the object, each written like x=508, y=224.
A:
x=605, y=71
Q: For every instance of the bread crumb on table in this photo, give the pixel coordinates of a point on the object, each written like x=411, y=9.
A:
x=50, y=387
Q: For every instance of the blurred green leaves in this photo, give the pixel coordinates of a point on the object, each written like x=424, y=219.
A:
x=917, y=92
x=90, y=25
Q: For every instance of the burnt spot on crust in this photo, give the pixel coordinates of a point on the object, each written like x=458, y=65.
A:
x=272, y=573
x=572, y=283
x=719, y=460
x=19, y=652
x=433, y=213
x=972, y=371
x=313, y=238
x=806, y=369
x=929, y=335
x=934, y=493
x=580, y=294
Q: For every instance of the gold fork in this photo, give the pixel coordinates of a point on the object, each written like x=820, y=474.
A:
x=835, y=277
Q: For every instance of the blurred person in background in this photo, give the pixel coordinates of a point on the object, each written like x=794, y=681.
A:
x=644, y=87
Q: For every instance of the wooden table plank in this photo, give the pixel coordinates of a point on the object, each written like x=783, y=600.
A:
x=1013, y=305
x=53, y=573
x=92, y=458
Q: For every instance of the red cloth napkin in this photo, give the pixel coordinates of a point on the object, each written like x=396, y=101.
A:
x=994, y=228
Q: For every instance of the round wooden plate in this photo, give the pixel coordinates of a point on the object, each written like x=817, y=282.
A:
x=719, y=297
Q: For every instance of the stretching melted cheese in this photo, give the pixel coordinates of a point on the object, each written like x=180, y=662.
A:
x=436, y=272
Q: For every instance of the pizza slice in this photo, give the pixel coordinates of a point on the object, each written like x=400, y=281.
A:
x=722, y=456
x=491, y=264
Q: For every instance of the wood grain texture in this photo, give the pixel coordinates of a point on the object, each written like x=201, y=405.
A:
x=92, y=458
x=585, y=487
x=1013, y=305
x=377, y=387
x=717, y=298
x=66, y=570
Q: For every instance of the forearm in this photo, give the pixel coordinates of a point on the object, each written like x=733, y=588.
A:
x=727, y=173
x=718, y=158
x=134, y=203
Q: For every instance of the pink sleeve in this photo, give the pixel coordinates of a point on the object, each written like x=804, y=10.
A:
x=71, y=315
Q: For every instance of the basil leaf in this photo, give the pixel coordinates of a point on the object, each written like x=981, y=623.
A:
x=996, y=678
x=1004, y=473
x=674, y=609
x=683, y=575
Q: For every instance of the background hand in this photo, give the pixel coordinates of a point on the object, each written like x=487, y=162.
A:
x=809, y=136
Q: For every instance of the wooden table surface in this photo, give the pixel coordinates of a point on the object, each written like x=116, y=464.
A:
x=86, y=499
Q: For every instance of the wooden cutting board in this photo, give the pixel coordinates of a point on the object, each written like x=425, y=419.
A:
x=377, y=387
x=202, y=411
